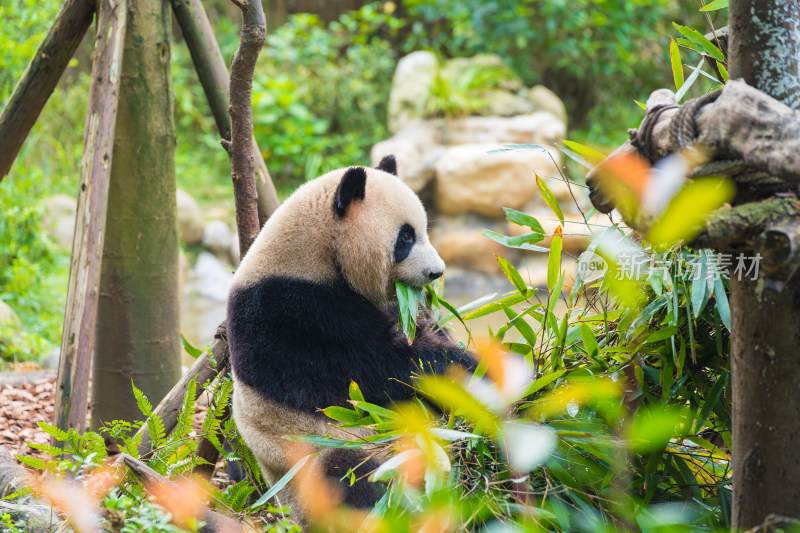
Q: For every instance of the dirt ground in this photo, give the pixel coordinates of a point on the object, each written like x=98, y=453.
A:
x=26, y=401
x=21, y=407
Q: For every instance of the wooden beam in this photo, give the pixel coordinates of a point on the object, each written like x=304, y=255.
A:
x=41, y=77
x=77, y=341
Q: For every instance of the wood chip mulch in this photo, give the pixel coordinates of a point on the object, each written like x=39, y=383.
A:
x=26, y=401
x=21, y=407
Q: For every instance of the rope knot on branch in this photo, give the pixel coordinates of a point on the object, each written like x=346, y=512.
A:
x=745, y=135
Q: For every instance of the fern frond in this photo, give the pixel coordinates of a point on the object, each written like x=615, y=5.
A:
x=33, y=462
x=142, y=402
x=186, y=416
x=46, y=448
x=55, y=432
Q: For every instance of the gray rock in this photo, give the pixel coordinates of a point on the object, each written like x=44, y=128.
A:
x=191, y=224
x=58, y=219
x=543, y=99
x=533, y=128
x=10, y=325
x=411, y=85
x=217, y=238
x=415, y=149
x=210, y=278
x=234, y=251
x=470, y=179
x=505, y=104
x=50, y=361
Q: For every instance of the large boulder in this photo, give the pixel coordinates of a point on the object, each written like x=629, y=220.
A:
x=191, y=224
x=531, y=128
x=58, y=219
x=492, y=67
x=470, y=179
x=543, y=99
x=469, y=249
x=210, y=278
x=415, y=148
x=217, y=238
x=505, y=104
x=411, y=85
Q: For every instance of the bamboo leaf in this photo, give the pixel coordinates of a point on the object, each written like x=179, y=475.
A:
x=512, y=274
x=591, y=153
x=523, y=242
x=554, y=260
x=715, y=5
x=550, y=199
x=523, y=219
x=677, y=66
x=282, y=482
x=193, y=352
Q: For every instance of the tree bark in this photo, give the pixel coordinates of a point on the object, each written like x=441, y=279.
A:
x=765, y=52
x=254, y=29
x=77, y=341
x=41, y=77
x=213, y=75
x=138, y=321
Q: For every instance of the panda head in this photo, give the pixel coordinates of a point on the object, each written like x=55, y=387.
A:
x=360, y=225
x=380, y=233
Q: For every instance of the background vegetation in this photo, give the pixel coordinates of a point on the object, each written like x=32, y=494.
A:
x=628, y=415
x=320, y=101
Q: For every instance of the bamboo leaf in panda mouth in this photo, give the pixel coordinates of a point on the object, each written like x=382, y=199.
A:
x=408, y=301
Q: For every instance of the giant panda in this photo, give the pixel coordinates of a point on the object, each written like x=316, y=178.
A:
x=310, y=310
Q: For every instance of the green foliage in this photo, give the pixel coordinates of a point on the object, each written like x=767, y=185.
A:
x=321, y=92
x=32, y=269
x=129, y=506
x=566, y=45
x=25, y=24
x=591, y=413
x=320, y=95
x=460, y=91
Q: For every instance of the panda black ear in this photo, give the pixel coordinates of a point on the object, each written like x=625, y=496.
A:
x=388, y=164
x=352, y=187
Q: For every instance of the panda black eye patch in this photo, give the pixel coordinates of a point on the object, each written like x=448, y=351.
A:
x=406, y=238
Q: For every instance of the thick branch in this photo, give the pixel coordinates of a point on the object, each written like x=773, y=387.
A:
x=756, y=134
x=213, y=75
x=41, y=77
x=254, y=30
x=151, y=479
x=77, y=341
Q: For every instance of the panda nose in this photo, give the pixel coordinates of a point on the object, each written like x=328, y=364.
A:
x=435, y=275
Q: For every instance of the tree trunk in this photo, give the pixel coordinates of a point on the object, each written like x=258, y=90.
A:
x=138, y=320
x=764, y=50
x=80, y=316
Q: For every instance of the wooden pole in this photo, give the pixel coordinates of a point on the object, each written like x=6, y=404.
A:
x=765, y=51
x=213, y=74
x=77, y=340
x=41, y=77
